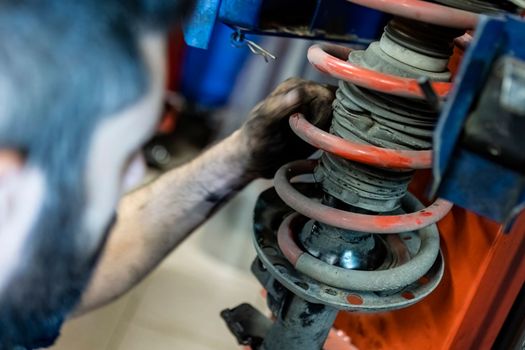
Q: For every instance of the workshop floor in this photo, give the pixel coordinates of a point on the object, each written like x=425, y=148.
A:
x=178, y=306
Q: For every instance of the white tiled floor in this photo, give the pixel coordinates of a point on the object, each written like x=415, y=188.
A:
x=178, y=306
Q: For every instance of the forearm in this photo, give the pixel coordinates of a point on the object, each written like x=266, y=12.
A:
x=153, y=220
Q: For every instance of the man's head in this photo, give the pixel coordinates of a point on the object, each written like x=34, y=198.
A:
x=81, y=85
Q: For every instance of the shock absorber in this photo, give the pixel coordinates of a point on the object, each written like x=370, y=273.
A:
x=343, y=243
x=355, y=239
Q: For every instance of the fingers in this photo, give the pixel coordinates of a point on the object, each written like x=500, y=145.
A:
x=319, y=110
x=297, y=95
x=315, y=102
x=312, y=95
x=267, y=131
x=287, y=85
x=280, y=105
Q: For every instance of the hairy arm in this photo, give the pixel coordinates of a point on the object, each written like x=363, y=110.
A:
x=156, y=218
x=153, y=220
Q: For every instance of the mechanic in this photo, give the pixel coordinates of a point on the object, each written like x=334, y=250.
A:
x=81, y=90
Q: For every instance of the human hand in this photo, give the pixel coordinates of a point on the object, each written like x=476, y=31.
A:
x=267, y=134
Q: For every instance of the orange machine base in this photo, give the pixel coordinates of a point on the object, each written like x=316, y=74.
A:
x=484, y=273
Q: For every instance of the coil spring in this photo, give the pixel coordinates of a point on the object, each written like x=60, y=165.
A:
x=347, y=148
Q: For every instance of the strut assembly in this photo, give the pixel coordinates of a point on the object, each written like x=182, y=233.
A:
x=355, y=239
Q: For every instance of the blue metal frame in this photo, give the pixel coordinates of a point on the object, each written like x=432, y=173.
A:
x=243, y=13
x=465, y=178
x=364, y=24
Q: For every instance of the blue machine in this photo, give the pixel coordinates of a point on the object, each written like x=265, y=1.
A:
x=208, y=76
x=479, y=148
x=222, y=25
x=312, y=19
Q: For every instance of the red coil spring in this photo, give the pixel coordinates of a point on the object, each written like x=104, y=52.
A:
x=331, y=59
x=424, y=11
